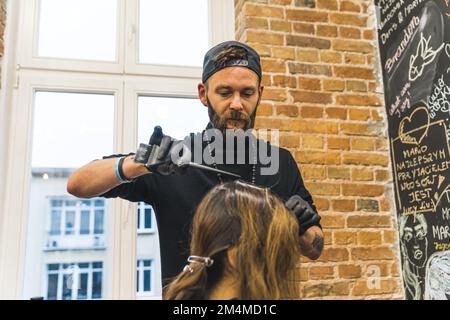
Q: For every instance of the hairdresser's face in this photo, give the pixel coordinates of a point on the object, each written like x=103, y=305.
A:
x=415, y=241
x=232, y=96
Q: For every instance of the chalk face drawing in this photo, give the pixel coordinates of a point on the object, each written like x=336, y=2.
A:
x=414, y=43
x=413, y=232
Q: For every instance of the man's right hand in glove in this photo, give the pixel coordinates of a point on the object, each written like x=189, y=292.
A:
x=159, y=155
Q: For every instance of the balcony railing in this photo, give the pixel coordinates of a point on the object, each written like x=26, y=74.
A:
x=75, y=242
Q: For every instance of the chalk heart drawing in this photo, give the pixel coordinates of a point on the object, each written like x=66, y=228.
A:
x=409, y=131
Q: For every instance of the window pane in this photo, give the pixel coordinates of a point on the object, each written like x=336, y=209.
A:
x=160, y=42
x=67, y=286
x=84, y=222
x=78, y=29
x=70, y=222
x=147, y=280
x=97, y=285
x=83, y=286
x=148, y=218
x=52, y=286
x=191, y=116
x=69, y=131
x=55, y=225
x=98, y=222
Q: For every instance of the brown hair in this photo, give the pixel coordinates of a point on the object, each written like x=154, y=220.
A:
x=264, y=232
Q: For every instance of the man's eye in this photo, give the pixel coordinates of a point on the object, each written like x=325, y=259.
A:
x=224, y=93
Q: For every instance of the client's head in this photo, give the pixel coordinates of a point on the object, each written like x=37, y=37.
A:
x=252, y=240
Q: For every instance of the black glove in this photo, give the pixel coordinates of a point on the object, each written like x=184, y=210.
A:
x=306, y=216
x=158, y=154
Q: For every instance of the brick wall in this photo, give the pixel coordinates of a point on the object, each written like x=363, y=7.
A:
x=322, y=92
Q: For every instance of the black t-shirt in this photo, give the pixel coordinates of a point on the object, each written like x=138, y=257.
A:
x=175, y=197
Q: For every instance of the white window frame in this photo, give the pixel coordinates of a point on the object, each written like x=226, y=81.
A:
x=141, y=229
x=78, y=208
x=23, y=75
x=61, y=272
x=140, y=269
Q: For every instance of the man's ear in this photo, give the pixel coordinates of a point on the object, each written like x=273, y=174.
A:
x=202, y=94
x=232, y=256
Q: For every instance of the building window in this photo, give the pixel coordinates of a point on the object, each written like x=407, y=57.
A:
x=76, y=217
x=144, y=277
x=75, y=281
x=145, y=218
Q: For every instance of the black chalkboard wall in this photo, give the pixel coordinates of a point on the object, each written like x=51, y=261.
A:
x=414, y=41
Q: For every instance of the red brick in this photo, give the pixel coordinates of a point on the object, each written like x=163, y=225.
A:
x=283, y=53
x=327, y=31
x=358, y=86
x=313, y=69
x=343, y=205
x=370, y=159
x=332, y=221
x=349, y=271
x=353, y=72
x=338, y=173
x=311, y=97
x=273, y=65
x=349, y=32
x=251, y=9
x=327, y=4
x=336, y=113
x=256, y=23
x=309, y=42
x=307, y=28
x=372, y=253
x=369, y=221
x=352, y=46
x=362, y=144
x=311, y=112
x=349, y=6
x=369, y=238
x=344, y=237
x=265, y=37
x=348, y=19
x=290, y=141
x=319, y=273
x=309, y=83
x=330, y=57
x=307, y=55
x=313, y=172
x=338, y=143
x=333, y=85
x=324, y=188
x=264, y=109
x=362, y=190
x=287, y=110
x=358, y=129
x=284, y=81
x=317, y=157
x=280, y=25
x=274, y=94
x=359, y=114
x=362, y=174
x=334, y=255
x=306, y=15
x=312, y=141
x=358, y=100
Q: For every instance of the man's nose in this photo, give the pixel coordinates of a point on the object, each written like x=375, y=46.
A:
x=236, y=103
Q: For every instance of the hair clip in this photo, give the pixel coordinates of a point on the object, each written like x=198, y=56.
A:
x=207, y=261
x=188, y=268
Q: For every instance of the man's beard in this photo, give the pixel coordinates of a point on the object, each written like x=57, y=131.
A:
x=220, y=121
